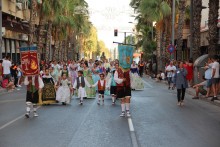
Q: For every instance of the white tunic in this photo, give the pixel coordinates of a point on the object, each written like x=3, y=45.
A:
x=81, y=90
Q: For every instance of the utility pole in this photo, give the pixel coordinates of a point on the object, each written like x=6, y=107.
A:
x=125, y=37
x=0, y=29
x=173, y=26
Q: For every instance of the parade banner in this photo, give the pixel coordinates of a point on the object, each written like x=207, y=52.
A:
x=29, y=61
x=125, y=56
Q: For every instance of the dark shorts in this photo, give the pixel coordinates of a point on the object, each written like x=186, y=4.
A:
x=7, y=76
x=113, y=90
x=123, y=92
x=169, y=79
x=101, y=92
x=32, y=97
x=215, y=80
x=209, y=83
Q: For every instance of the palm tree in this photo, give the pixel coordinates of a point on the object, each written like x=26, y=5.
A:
x=213, y=29
x=33, y=14
x=197, y=8
x=181, y=20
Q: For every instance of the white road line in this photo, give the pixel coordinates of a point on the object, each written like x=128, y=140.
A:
x=14, y=120
x=7, y=124
x=6, y=101
x=130, y=124
x=132, y=133
x=148, y=84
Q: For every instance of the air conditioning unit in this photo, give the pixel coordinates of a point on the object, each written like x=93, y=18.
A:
x=3, y=31
x=19, y=6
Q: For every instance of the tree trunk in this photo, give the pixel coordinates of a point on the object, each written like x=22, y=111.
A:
x=47, y=51
x=197, y=8
x=181, y=20
x=41, y=35
x=33, y=14
x=213, y=28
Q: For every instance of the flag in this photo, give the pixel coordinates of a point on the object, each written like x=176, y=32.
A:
x=125, y=56
x=29, y=61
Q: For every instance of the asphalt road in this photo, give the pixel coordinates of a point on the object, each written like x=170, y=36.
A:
x=157, y=120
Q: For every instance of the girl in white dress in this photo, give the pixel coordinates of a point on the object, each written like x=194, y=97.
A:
x=63, y=93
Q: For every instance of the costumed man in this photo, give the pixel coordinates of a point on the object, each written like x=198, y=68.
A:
x=34, y=85
x=122, y=80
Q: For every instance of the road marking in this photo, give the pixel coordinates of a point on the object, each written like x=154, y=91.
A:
x=6, y=101
x=148, y=84
x=7, y=124
x=132, y=133
x=14, y=120
x=130, y=124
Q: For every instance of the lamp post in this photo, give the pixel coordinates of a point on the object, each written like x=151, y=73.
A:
x=173, y=25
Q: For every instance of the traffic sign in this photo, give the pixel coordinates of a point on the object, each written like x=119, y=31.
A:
x=171, y=49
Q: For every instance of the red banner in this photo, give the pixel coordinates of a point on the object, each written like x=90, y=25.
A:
x=29, y=61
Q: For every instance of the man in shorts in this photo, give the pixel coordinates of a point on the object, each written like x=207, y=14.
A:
x=215, y=76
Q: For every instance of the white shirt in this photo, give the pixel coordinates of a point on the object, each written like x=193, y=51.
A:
x=41, y=83
x=162, y=76
x=169, y=70
x=6, y=67
x=215, y=65
x=116, y=78
x=101, y=82
x=86, y=82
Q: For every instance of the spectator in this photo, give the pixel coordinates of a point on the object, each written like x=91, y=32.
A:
x=19, y=75
x=189, y=68
x=200, y=88
x=215, y=76
x=160, y=76
x=6, y=68
x=170, y=74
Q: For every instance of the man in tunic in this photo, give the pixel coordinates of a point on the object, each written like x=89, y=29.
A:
x=34, y=84
x=122, y=80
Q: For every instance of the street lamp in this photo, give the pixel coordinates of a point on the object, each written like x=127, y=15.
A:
x=153, y=24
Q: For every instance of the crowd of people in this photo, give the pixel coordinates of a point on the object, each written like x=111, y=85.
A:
x=58, y=82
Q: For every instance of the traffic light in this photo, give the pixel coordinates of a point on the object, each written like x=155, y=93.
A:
x=115, y=32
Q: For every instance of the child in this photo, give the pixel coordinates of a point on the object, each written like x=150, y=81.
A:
x=80, y=84
x=63, y=92
x=102, y=85
x=34, y=84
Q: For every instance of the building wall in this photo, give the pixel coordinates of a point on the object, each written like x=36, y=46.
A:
x=205, y=13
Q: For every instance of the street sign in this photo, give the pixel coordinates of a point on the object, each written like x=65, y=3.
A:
x=171, y=49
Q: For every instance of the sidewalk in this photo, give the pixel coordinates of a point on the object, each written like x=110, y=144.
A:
x=191, y=91
x=4, y=91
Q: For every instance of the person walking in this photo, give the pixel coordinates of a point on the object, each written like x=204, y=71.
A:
x=122, y=80
x=181, y=83
x=170, y=69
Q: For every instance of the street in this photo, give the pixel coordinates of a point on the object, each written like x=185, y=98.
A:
x=157, y=122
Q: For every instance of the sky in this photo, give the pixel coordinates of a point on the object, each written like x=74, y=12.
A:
x=107, y=15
